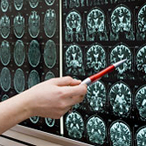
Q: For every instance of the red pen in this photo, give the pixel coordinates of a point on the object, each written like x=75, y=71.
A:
x=98, y=76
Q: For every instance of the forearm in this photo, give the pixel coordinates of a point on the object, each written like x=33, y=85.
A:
x=13, y=111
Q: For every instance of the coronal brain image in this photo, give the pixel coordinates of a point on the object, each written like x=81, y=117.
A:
x=34, y=24
x=140, y=100
x=50, y=122
x=96, y=58
x=74, y=60
x=49, y=2
x=19, y=53
x=96, y=96
x=33, y=78
x=4, y=97
x=4, y=5
x=74, y=125
x=96, y=130
x=18, y=4
x=33, y=3
x=120, y=99
x=141, y=59
x=120, y=134
x=96, y=25
x=121, y=52
x=121, y=21
x=34, y=54
x=50, y=54
x=50, y=23
x=140, y=137
x=5, y=79
x=34, y=119
x=5, y=26
x=19, y=80
x=5, y=52
x=19, y=26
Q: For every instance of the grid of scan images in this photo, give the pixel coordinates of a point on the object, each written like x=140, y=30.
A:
x=97, y=33
x=29, y=50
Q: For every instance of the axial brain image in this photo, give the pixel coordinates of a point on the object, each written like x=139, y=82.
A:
x=140, y=137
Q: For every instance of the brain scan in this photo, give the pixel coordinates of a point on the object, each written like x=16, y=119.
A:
x=50, y=54
x=142, y=23
x=19, y=80
x=5, y=79
x=4, y=5
x=121, y=52
x=96, y=29
x=96, y=59
x=18, y=4
x=73, y=27
x=19, y=53
x=4, y=97
x=50, y=23
x=34, y=24
x=140, y=100
x=19, y=26
x=96, y=96
x=74, y=125
x=49, y=2
x=5, y=52
x=140, y=137
x=50, y=122
x=121, y=22
x=120, y=99
x=5, y=26
x=34, y=119
x=141, y=59
x=120, y=134
x=74, y=3
x=49, y=75
x=74, y=60
x=33, y=78
x=34, y=54
x=33, y=3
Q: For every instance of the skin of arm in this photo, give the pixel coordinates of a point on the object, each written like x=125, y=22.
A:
x=52, y=98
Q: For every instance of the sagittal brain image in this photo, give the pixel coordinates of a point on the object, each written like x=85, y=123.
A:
x=4, y=97
x=140, y=137
x=34, y=119
x=96, y=29
x=49, y=2
x=141, y=59
x=120, y=134
x=4, y=5
x=19, y=26
x=33, y=3
x=34, y=54
x=50, y=23
x=121, y=22
x=18, y=4
x=120, y=99
x=49, y=75
x=141, y=34
x=50, y=122
x=33, y=78
x=75, y=125
x=5, y=79
x=73, y=28
x=19, y=53
x=74, y=60
x=96, y=96
x=96, y=59
x=5, y=26
x=140, y=100
x=121, y=52
x=19, y=80
x=50, y=54
x=96, y=130
x=34, y=24
x=5, y=52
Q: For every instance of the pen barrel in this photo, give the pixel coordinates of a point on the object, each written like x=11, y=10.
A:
x=97, y=76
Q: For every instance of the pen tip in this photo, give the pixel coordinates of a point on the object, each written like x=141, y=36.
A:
x=119, y=62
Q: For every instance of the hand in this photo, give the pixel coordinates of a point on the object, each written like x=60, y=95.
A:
x=54, y=97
